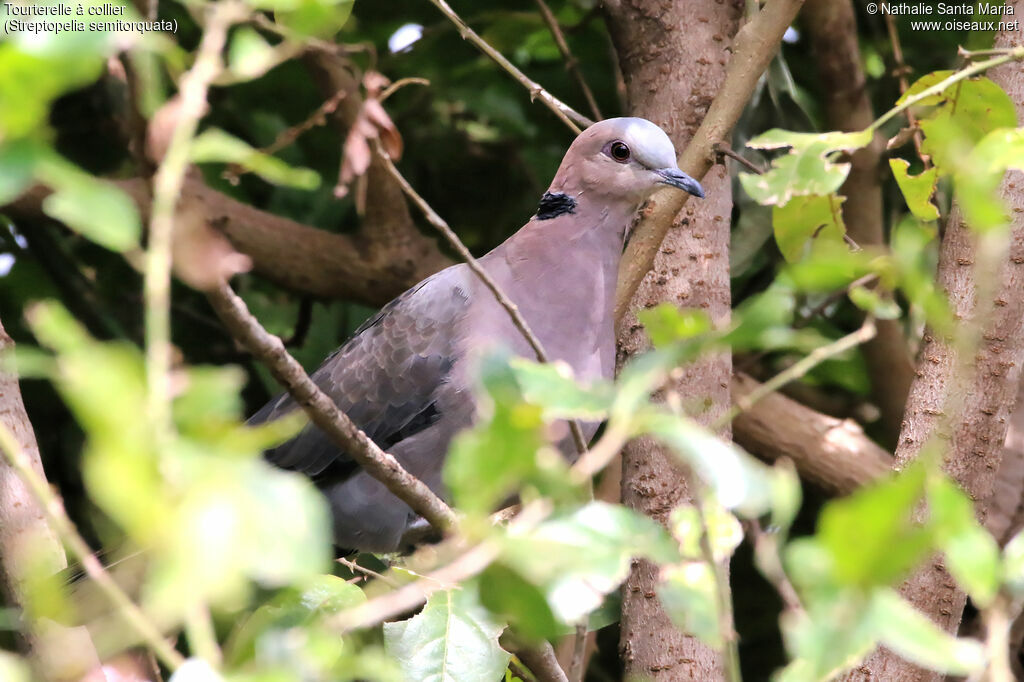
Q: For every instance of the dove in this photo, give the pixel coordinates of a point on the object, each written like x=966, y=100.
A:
x=406, y=376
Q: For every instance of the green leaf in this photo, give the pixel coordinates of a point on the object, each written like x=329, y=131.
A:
x=972, y=554
x=723, y=530
x=97, y=210
x=688, y=593
x=488, y=463
x=917, y=189
x=806, y=218
x=249, y=55
x=666, y=324
x=807, y=169
x=578, y=558
x=977, y=183
x=318, y=18
x=217, y=146
x=913, y=636
x=830, y=637
x=1013, y=564
x=738, y=481
x=871, y=534
x=453, y=639
x=513, y=599
x=553, y=387
x=17, y=162
x=882, y=307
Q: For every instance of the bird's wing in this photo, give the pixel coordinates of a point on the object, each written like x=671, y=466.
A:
x=384, y=378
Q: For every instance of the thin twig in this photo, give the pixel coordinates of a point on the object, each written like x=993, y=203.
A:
x=54, y=510
x=901, y=72
x=571, y=63
x=324, y=413
x=357, y=568
x=167, y=184
x=567, y=114
x=797, y=370
x=723, y=596
x=766, y=556
x=579, y=650
x=504, y=301
x=723, y=149
x=399, y=84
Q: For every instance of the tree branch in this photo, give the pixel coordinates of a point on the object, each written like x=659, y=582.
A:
x=833, y=454
x=295, y=256
x=571, y=63
x=569, y=116
x=325, y=414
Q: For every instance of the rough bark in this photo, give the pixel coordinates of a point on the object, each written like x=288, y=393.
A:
x=28, y=546
x=1004, y=516
x=672, y=81
x=975, y=433
x=834, y=454
x=295, y=256
x=832, y=29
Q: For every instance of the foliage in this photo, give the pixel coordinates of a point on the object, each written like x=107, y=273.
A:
x=225, y=535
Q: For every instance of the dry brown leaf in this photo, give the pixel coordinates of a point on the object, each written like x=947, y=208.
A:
x=371, y=123
x=203, y=257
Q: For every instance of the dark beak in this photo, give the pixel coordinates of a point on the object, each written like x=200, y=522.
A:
x=677, y=178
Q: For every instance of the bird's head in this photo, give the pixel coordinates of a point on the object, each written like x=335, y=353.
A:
x=621, y=159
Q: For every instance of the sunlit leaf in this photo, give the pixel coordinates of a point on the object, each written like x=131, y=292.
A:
x=806, y=218
x=688, y=593
x=917, y=189
x=452, y=639
x=579, y=558
x=1013, y=564
x=723, y=530
x=665, y=323
x=553, y=387
x=249, y=55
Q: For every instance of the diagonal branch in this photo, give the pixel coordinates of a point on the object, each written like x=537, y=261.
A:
x=324, y=413
x=571, y=63
x=567, y=114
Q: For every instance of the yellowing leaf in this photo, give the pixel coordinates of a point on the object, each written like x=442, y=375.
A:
x=917, y=189
x=806, y=218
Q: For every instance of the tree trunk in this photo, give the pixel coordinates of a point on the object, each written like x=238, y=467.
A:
x=673, y=60
x=978, y=428
x=28, y=546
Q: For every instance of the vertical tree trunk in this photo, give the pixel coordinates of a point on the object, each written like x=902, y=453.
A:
x=28, y=544
x=673, y=58
x=832, y=29
x=978, y=429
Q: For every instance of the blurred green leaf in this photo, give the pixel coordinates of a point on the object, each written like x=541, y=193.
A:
x=913, y=636
x=99, y=211
x=917, y=189
x=808, y=168
x=452, y=638
x=513, y=599
x=553, y=387
x=17, y=163
x=217, y=146
x=665, y=323
x=882, y=307
x=579, y=557
x=871, y=534
x=316, y=18
x=977, y=182
x=972, y=554
x=249, y=55
x=723, y=530
x=1013, y=564
x=688, y=593
x=739, y=482
x=830, y=637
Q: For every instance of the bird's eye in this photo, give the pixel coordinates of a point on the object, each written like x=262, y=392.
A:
x=619, y=151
